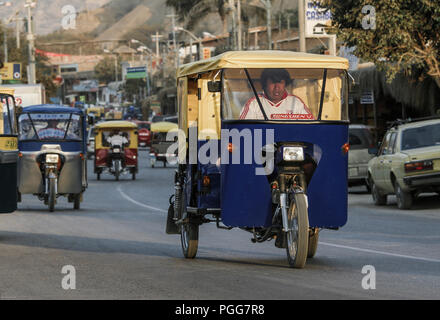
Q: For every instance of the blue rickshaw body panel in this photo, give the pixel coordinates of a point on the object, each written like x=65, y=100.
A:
x=246, y=197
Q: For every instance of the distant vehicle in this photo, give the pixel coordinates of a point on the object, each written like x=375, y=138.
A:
x=360, y=140
x=52, y=146
x=27, y=94
x=90, y=142
x=157, y=118
x=407, y=162
x=116, y=148
x=172, y=119
x=144, y=133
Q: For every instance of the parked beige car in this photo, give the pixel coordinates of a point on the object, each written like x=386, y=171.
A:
x=360, y=139
x=407, y=163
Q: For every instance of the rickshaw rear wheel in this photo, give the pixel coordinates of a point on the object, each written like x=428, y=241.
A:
x=189, y=233
x=313, y=243
x=76, y=201
x=297, y=239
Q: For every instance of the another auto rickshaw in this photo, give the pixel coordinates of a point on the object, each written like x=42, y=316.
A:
x=116, y=148
x=144, y=134
x=161, y=140
x=263, y=146
x=8, y=151
x=52, y=159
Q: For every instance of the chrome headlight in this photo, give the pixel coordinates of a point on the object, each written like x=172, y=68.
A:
x=293, y=154
x=116, y=150
x=52, y=158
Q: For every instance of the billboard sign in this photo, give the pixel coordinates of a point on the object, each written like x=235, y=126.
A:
x=11, y=71
x=136, y=73
x=316, y=19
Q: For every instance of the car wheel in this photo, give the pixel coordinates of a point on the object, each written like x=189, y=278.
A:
x=404, y=199
x=378, y=198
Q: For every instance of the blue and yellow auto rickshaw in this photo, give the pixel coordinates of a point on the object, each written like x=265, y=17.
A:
x=8, y=152
x=262, y=146
x=52, y=159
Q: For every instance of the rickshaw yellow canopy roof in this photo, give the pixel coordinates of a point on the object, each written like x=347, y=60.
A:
x=116, y=125
x=263, y=59
x=7, y=91
x=163, y=126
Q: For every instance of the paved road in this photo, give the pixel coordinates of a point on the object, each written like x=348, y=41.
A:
x=119, y=250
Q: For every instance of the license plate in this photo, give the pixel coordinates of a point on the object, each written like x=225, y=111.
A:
x=352, y=172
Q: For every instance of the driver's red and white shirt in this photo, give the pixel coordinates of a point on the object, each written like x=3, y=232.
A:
x=290, y=107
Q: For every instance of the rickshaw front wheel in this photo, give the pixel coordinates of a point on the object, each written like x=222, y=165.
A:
x=297, y=238
x=52, y=195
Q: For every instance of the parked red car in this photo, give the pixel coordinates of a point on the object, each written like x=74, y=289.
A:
x=144, y=134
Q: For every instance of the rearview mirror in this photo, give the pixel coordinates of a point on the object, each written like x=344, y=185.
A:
x=214, y=86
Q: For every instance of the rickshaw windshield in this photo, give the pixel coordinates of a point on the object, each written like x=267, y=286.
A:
x=7, y=123
x=284, y=94
x=50, y=126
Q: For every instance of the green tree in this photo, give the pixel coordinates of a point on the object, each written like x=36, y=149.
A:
x=105, y=70
x=396, y=35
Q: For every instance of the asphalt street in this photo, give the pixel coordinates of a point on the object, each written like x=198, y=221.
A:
x=117, y=246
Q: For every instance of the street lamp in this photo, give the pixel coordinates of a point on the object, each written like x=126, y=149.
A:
x=198, y=40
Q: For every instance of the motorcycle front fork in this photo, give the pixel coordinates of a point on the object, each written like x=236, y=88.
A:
x=50, y=174
x=284, y=204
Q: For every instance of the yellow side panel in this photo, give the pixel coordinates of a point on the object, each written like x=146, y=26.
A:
x=8, y=143
x=209, y=113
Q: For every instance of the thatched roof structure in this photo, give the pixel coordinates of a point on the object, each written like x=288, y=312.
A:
x=421, y=95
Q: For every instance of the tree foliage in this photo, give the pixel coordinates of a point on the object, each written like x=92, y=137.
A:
x=396, y=35
x=105, y=70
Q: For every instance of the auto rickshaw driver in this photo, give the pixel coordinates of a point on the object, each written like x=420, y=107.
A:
x=276, y=103
x=117, y=138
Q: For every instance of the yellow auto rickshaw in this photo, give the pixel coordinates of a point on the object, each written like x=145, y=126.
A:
x=8, y=151
x=161, y=141
x=116, y=148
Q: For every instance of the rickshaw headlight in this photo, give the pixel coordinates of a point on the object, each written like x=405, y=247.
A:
x=52, y=158
x=293, y=154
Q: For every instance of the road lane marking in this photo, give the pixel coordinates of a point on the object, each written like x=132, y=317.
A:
x=381, y=252
x=125, y=196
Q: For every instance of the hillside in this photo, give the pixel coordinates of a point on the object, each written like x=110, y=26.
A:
x=119, y=19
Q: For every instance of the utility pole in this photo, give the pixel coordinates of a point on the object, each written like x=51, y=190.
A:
x=267, y=4
x=176, y=50
x=31, y=38
x=231, y=6
x=239, y=32
x=301, y=25
x=156, y=39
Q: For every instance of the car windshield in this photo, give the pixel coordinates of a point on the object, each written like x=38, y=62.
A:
x=284, y=94
x=360, y=138
x=144, y=126
x=420, y=137
x=50, y=126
